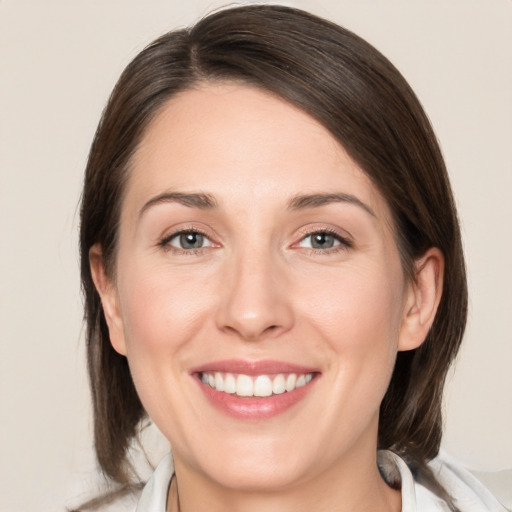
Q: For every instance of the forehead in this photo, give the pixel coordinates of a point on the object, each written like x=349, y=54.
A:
x=230, y=138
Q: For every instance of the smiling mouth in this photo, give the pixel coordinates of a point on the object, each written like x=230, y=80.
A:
x=255, y=385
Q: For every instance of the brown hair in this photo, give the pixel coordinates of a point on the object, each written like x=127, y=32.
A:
x=357, y=94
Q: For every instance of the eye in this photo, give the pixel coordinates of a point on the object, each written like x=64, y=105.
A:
x=188, y=240
x=323, y=241
x=319, y=241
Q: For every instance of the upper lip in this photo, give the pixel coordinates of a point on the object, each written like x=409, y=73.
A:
x=264, y=367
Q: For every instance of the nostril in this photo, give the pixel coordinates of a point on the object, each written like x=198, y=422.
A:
x=251, y=334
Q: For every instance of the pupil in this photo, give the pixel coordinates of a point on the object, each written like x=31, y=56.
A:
x=322, y=241
x=191, y=240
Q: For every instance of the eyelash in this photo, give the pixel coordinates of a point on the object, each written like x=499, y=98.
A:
x=164, y=243
x=344, y=243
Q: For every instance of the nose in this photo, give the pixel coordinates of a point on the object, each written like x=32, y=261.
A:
x=254, y=303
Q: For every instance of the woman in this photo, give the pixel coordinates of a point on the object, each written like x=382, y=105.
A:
x=273, y=273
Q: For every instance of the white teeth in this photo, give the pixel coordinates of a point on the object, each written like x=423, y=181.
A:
x=229, y=384
x=261, y=385
x=219, y=382
x=278, y=385
x=290, y=382
x=244, y=386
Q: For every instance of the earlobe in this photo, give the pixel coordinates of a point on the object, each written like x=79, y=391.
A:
x=422, y=299
x=109, y=299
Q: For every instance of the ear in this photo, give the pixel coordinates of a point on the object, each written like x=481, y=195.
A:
x=109, y=299
x=422, y=299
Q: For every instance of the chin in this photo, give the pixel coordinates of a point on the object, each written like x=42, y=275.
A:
x=256, y=477
x=255, y=465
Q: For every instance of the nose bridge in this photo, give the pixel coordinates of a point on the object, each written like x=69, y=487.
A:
x=254, y=302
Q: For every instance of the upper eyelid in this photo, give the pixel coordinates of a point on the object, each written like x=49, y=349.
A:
x=310, y=230
x=313, y=231
x=346, y=241
x=165, y=239
x=303, y=232
x=339, y=239
x=186, y=228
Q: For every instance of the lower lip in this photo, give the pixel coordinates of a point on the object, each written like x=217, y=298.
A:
x=254, y=408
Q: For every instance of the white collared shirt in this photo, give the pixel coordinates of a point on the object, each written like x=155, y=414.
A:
x=468, y=493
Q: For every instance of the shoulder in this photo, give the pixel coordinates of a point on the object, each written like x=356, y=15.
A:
x=151, y=498
x=154, y=494
x=121, y=500
x=468, y=493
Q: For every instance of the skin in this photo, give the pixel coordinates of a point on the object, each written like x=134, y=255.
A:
x=257, y=290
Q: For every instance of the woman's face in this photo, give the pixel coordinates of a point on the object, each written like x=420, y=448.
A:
x=255, y=257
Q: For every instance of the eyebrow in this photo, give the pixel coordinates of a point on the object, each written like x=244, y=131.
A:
x=303, y=201
x=205, y=201
x=192, y=200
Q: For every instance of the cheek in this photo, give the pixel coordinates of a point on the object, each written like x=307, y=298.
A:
x=363, y=302
x=162, y=316
x=358, y=313
x=161, y=311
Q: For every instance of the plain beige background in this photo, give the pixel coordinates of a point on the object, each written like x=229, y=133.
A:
x=58, y=63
